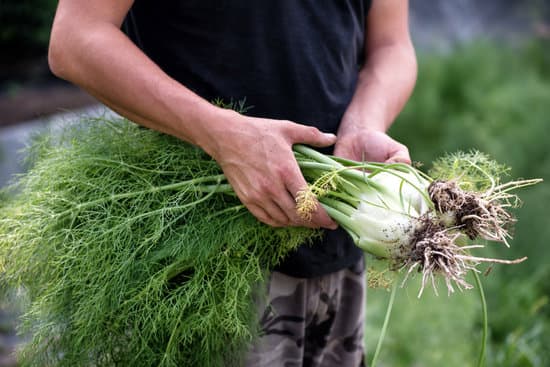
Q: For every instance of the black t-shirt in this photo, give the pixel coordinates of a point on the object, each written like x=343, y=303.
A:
x=290, y=59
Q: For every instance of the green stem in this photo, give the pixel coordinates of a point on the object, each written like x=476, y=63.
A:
x=342, y=220
x=222, y=188
x=160, y=211
x=481, y=359
x=341, y=213
x=360, y=178
x=385, y=325
x=349, y=162
x=356, y=171
x=315, y=155
x=174, y=186
x=342, y=207
x=316, y=166
x=121, y=164
x=344, y=197
x=355, y=174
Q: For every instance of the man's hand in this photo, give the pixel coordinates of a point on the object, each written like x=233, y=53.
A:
x=385, y=83
x=371, y=145
x=255, y=154
x=257, y=159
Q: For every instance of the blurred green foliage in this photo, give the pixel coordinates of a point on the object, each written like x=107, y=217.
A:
x=485, y=97
x=497, y=100
x=25, y=27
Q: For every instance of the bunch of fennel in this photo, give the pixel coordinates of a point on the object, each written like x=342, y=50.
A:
x=131, y=248
x=396, y=212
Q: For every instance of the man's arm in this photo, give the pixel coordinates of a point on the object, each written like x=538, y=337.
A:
x=385, y=83
x=88, y=48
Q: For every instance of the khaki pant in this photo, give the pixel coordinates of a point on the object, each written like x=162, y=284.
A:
x=316, y=322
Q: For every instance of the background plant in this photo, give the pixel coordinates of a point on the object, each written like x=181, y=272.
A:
x=25, y=27
x=494, y=99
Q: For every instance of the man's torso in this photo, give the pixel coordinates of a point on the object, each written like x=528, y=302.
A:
x=296, y=60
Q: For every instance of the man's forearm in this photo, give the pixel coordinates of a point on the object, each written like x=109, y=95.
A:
x=108, y=65
x=385, y=83
x=255, y=154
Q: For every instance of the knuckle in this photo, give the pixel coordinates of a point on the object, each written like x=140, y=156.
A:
x=285, y=171
x=253, y=197
x=302, y=132
x=311, y=132
x=263, y=187
x=287, y=126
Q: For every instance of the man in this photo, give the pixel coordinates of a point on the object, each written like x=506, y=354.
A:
x=308, y=69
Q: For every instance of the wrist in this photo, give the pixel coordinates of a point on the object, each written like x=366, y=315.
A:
x=215, y=129
x=353, y=124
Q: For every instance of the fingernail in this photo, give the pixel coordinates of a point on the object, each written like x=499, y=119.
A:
x=329, y=135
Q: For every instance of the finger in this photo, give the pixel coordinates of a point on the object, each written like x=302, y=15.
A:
x=399, y=159
x=400, y=156
x=322, y=219
x=285, y=201
x=263, y=216
x=276, y=213
x=262, y=205
x=311, y=136
x=319, y=217
x=288, y=203
x=258, y=199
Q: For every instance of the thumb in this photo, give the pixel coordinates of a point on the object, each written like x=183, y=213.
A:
x=311, y=136
x=400, y=155
x=400, y=158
